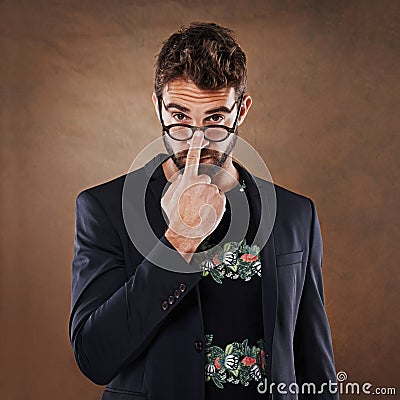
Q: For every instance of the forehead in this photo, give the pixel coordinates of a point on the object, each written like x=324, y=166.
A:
x=186, y=93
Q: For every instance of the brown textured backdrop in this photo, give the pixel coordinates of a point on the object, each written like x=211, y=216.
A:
x=75, y=101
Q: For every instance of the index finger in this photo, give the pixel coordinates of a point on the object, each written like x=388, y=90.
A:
x=193, y=155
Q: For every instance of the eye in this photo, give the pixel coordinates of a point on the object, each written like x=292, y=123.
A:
x=179, y=117
x=216, y=118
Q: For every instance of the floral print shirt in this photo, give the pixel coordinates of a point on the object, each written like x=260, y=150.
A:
x=232, y=312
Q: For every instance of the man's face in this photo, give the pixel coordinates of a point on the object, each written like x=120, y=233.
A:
x=185, y=103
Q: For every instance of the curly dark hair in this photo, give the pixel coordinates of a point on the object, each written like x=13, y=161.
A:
x=205, y=53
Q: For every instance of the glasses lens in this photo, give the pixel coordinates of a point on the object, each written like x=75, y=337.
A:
x=216, y=134
x=180, y=132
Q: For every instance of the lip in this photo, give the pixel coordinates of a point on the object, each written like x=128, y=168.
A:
x=205, y=158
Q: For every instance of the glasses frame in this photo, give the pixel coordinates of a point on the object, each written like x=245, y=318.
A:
x=233, y=129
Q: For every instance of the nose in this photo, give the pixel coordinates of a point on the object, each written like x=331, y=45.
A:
x=205, y=141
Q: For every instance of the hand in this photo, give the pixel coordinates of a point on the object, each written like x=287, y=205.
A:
x=194, y=206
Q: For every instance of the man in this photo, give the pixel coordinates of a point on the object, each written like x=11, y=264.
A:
x=206, y=312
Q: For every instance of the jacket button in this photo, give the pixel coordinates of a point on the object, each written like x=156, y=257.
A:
x=171, y=299
x=198, y=344
x=177, y=293
x=164, y=305
x=182, y=287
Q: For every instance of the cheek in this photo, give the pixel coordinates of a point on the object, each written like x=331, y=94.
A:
x=218, y=146
x=178, y=146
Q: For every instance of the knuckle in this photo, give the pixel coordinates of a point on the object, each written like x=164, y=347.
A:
x=204, y=177
x=215, y=187
x=192, y=154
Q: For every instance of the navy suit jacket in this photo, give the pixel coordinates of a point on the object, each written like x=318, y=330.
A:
x=132, y=322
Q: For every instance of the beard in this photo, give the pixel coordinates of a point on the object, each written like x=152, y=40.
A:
x=218, y=158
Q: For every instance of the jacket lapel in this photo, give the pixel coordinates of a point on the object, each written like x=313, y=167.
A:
x=154, y=189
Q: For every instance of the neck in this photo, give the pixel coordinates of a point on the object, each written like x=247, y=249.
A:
x=226, y=179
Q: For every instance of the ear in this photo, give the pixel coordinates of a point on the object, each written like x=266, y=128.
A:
x=155, y=103
x=246, y=104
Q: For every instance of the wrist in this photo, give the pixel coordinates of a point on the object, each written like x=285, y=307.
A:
x=184, y=245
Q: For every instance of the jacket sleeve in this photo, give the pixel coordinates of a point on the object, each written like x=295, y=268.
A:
x=113, y=319
x=314, y=360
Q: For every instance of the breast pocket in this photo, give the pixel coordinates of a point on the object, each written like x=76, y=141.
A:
x=289, y=259
x=119, y=394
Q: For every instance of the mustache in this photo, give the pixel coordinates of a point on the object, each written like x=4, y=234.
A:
x=204, y=153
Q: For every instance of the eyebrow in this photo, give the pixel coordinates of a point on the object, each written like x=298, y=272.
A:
x=186, y=110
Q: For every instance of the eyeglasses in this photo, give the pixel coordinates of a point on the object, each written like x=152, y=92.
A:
x=213, y=133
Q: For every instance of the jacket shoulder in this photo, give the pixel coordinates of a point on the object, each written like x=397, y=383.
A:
x=289, y=203
x=111, y=189
x=288, y=195
x=294, y=207
x=106, y=190
x=282, y=192
x=107, y=196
